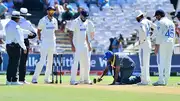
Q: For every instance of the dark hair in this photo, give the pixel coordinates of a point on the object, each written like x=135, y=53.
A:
x=142, y=16
x=14, y=18
x=149, y=18
x=162, y=15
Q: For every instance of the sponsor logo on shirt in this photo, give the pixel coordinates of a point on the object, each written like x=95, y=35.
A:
x=52, y=27
x=82, y=29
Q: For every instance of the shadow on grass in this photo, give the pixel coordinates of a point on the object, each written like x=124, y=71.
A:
x=3, y=85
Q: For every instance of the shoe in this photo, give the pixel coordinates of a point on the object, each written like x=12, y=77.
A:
x=159, y=84
x=81, y=82
x=16, y=83
x=74, y=83
x=34, y=81
x=48, y=82
x=25, y=82
x=142, y=84
x=88, y=82
x=8, y=83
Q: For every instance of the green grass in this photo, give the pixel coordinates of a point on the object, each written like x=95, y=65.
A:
x=42, y=92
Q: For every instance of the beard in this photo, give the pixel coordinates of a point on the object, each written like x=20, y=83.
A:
x=83, y=20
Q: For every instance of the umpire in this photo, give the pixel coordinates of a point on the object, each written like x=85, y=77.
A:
x=14, y=43
x=122, y=66
x=25, y=24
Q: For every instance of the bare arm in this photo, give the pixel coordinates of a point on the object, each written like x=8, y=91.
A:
x=117, y=70
x=92, y=35
x=71, y=40
x=104, y=72
x=5, y=10
x=39, y=34
x=156, y=49
x=1, y=41
x=89, y=46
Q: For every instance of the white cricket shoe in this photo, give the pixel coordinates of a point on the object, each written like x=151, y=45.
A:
x=159, y=84
x=88, y=82
x=8, y=83
x=48, y=82
x=34, y=81
x=16, y=83
x=143, y=83
x=81, y=82
x=73, y=83
x=25, y=82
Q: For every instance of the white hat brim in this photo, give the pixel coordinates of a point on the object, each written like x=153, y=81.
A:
x=27, y=14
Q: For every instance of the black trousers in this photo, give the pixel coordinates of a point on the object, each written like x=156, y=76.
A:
x=1, y=60
x=23, y=59
x=14, y=52
x=125, y=74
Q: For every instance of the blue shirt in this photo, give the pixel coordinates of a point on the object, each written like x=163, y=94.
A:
x=10, y=6
x=115, y=43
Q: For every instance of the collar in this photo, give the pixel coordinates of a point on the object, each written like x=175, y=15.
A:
x=12, y=21
x=81, y=20
x=22, y=19
x=48, y=18
x=141, y=20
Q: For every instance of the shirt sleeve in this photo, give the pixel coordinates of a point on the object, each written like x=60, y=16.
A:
x=91, y=27
x=160, y=30
x=31, y=28
x=56, y=25
x=143, y=28
x=71, y=26
x=41, y=24
x=19, y=37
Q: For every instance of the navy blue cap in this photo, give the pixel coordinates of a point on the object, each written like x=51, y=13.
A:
x=159, y=12
x=51, y=8
x=178, y=14
x=84, y=13
x=108, y=55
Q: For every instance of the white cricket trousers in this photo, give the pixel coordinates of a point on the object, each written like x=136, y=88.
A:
x=81, y=57
x=144, y=58
x=45, y=53
x=86, y=69
x=164, y=58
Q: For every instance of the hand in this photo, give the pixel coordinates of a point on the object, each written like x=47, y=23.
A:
x=90, y=48
x=73, y=49
x=99, y=80
x=156, y=49
x=25, y=51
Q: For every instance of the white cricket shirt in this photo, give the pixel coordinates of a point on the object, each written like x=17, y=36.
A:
x=145, y=29
x=48, y=28
x=79, y=29
x=165, y=31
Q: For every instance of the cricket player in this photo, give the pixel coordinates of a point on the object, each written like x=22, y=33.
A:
x=81, y=48
x=164, y=47
x=90, y=34
x=47, y=28
x=178, y=29
x=145, y=46
x=123, y=67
